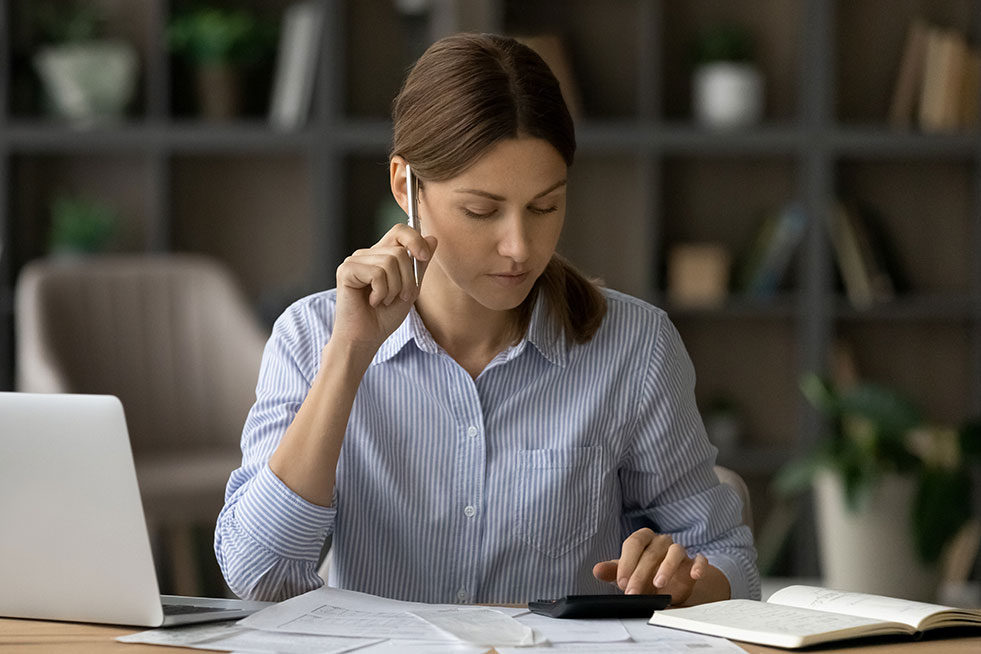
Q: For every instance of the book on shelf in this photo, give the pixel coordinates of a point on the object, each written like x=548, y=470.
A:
x=296, y=65
x=937, y=81
x=971, y=87
x=767, y=260
x=865, y=265
x=800, y=616
x=909, y=81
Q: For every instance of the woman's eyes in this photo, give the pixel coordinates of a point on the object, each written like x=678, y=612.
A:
x=488, y=213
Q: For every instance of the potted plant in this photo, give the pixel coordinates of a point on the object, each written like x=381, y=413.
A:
x=81, y=226
x=727, y=87
x=219, y=44
x=891, y=491
x=86, y=78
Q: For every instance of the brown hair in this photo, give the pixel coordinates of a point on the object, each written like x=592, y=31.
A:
x=465, y=94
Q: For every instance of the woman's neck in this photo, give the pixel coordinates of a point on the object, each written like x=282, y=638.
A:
x=470, y=333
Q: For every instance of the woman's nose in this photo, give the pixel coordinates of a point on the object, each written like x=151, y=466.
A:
x=515, y=241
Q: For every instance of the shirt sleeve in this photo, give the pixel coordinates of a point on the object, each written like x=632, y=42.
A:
x=268, y=539
x=668, y=477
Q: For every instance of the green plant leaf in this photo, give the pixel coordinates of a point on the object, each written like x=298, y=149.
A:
x=208, y=35
x=940, y=509
x=892, y=414
x=795, y=477
x=970, y=441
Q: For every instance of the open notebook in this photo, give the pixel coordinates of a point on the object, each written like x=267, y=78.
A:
x=799, y=616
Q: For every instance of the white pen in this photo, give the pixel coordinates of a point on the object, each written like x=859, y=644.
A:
x=412, y=189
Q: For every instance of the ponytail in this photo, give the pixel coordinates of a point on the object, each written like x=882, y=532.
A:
x=574, y=301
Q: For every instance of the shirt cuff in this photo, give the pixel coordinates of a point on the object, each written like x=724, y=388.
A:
x=738, y=584
x=282, y=521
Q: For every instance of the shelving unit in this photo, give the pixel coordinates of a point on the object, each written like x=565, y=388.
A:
x=284, y=208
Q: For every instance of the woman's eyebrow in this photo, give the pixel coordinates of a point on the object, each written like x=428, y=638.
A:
x=498, y=198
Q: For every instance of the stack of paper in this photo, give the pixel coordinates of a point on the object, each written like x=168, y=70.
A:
x=333, y=621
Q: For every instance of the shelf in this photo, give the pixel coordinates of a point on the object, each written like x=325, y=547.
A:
x=884, y=141
x=631, y=136
x=780, y=307
x=41, y=136
x=921, y=307
x=374, y=135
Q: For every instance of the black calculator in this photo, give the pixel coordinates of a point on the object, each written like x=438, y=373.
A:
x=600, y=606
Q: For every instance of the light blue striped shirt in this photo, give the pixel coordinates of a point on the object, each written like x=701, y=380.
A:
x=505, y=488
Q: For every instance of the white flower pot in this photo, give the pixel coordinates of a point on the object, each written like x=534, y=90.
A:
x=88, y=81
x=870, y=550
x=728, y=95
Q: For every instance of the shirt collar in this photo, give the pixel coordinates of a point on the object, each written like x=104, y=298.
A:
x=547, y=337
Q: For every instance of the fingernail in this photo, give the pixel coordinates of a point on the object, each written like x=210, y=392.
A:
x=631, y=591
x=660, y=581
x=622, y=583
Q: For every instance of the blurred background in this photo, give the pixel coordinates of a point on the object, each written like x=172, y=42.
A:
x=797, y=182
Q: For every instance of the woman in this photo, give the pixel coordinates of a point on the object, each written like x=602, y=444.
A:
x=510, y=431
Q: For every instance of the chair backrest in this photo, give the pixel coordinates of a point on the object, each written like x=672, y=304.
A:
x=171, y=335
x=732, y=479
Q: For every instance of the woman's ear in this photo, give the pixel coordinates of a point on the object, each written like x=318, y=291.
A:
x=397, y=177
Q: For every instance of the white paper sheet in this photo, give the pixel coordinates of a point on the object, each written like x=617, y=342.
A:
x=483, y=626
x=666, y=647
x=575, y=631
x=425, y=647
x=229, y=637
x=336, y=612
x=642, y=632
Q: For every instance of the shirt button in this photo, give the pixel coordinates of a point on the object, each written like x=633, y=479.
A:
x=461, y=595
x=470, y=511
x=472, y=431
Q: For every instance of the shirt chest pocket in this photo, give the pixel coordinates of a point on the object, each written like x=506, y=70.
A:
x=556, y=495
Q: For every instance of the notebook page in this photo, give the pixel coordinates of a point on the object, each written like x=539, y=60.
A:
x=783, y=626
x=861, y=604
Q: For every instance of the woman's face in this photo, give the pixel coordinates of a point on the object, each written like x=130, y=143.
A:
x=498, y=222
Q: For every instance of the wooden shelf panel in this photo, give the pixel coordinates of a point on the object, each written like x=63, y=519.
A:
x=911, y=308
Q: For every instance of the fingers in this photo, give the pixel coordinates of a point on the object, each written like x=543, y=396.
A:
x=387, y=268
x=674, y=558
x=606, y=570
x=699, y=567
x=388, y=272
x=633, y=549
x=418, y=246
x=652, y=563
x=656, y=553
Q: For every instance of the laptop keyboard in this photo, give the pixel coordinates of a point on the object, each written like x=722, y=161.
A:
x=184, y=609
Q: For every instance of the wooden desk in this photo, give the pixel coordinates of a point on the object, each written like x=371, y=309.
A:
x=40, y=637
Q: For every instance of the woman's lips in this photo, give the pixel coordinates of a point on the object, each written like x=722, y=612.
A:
x=509, y=279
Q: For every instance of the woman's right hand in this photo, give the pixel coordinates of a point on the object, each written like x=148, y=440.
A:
x=376, y=287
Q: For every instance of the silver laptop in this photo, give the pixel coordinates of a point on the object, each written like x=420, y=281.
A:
x=73, y=540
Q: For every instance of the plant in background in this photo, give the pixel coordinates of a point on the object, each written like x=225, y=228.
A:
x=724, y=42
x=220, y=44
x=727, y=88
x=872, y=432
x=213, y=35
x=69, y=22
x=81, y=226
x=86, y=76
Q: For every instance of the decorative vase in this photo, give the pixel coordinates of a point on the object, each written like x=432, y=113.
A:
x=728, y=95
x=219, y=91
x=870, y=549
x=88, y=81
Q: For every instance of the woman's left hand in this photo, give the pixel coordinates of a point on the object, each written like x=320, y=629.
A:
x=653, y=563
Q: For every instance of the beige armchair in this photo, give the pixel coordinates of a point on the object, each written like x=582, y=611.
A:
x=174, y=338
